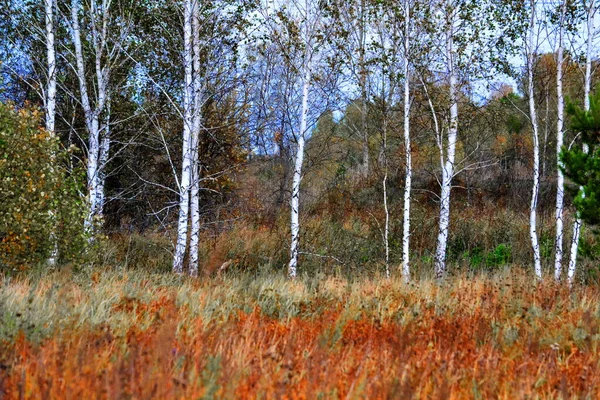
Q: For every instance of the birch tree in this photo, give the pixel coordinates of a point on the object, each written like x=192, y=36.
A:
x=530, y=49
x=459, y=33
x=299, y=159
x=189, y=187
x=407, y=147
x=560, y=181
x=196, y=126
x=50, y=102
x=108, y=37
x=393, y=35
x=211, y=31
x=447, y=148
x=308, y=27
x=300, y=36
x=50, y=97
x=187, y=166
x=590, y=11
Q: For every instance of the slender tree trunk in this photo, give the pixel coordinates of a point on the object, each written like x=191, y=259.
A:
x=187, y=159
x=103, y=159
x=560, y=191
x=195, y=188
x=50, y=102
x=407, y=147
x=363, y=92
x=91, y=120
x=386, y=231
x=365, y=139
x=51, y=59
x=99, y=37
x=536, y=148
x=586, y=103
x=448, y=166
x=544, y=170
x=295, y=202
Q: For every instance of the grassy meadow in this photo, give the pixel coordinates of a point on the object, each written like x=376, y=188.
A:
x=138, y=335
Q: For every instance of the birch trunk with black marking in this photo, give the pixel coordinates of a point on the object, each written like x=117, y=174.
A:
x=586, y=104
x=407, y=149
x=386, y=210
x=364, y=98
x=103, y=158
x=297, y=177
x=447, y=165
x=536, y=146
x=50, y=98
x=50, y=105
x=560, y=190
x=95, y=102
x=91, y=120
x=197, y=121
x=187, y=158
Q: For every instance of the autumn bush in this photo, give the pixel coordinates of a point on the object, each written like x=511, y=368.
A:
x=42, y=209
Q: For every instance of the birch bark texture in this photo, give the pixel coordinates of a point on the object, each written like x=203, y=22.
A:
x=50, y=97
x=530, y=62
x=196, y=126
x=96, y=109
x=188, y=125
x=307, y=13
x=560, y=180
x=189, y=182
x=297, y=176
x=407, y=149
x=50, y=105
x=91, y=119
x=447, y=160
x=590, y=14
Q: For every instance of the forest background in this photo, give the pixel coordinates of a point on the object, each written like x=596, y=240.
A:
x=124, y=80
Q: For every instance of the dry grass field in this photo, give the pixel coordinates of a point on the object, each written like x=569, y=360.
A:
x=133, y=335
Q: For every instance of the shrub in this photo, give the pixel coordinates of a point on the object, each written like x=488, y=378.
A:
x=500, y=256
x=41, y=209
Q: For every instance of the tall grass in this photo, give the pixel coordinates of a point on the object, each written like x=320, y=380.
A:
x=135, y=334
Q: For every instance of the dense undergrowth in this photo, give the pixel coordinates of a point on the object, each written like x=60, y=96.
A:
x=134, y=334
x=349, y=241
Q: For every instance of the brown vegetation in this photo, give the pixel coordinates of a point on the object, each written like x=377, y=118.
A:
x=115, y=335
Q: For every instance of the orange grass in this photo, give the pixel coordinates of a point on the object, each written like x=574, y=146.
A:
x=488, y=337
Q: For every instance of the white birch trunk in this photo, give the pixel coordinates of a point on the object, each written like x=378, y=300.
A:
x=91, y=120
x=364, y=93
x=187, y=159
x=560, y=191
x=96, y=111
x=195, y=189
x=448, y=166
x=536, y=147
x=99, y=37
x=386, y=232
x=407, y=147
x=50, y=97
x=50, y=102
x=295, y=201
x=586, y=104
x=103, y=159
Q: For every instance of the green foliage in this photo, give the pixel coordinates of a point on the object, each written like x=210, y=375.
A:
x=41, y=205
x=581, y=168
x=500, y=256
